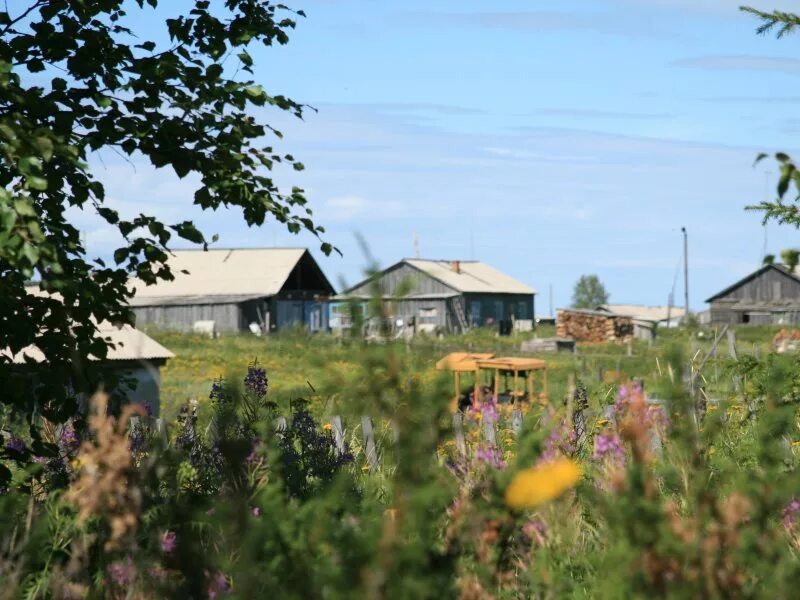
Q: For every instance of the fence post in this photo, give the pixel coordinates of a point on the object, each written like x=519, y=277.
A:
x=338, y=435
x=369, y=443
x=732, y=344
x=516, y=421
x=458, y=430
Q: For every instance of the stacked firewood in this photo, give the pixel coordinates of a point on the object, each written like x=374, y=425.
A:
x=593, y=326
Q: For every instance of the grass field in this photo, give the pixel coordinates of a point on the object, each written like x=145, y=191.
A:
x=322, y=368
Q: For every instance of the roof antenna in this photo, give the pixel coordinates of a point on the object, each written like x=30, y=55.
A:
x=416, y=245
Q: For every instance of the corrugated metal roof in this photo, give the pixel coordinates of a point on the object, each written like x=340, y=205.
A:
x=193, y=300
x=470, y=277
x=794, y=274
x=255, y=272
x=129, y=344
x=644, y=313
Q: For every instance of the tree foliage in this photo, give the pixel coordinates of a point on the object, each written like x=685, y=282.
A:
x=75, y=79
x=785, y=209
x=589, y=292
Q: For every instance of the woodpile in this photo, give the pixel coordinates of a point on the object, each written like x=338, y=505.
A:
x=593, y=326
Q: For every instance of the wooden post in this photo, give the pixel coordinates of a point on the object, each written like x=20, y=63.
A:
x=516, y=421
x=530, y=386
x=496, y=383
x=369, y=443
x=162, y=431
x=338, y=435
x=544, y=382
x=458, y=429
x=458, y=385
x=732, y=344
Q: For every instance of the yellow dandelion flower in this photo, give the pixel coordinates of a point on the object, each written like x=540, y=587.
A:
x=327, y=427
x=541, y=484
x=602, y=422
x=365, y=468
x=796, y=444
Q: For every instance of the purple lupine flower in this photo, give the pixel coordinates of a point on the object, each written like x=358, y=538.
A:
x=218, y=585
x=255, y=511
x=491, y=456
x=256, y=381
x=790, y=512
x=169, y=541
x=608, y=445
x=69, y=439
x=16, y=444
x=217, y=393
x=121, y=573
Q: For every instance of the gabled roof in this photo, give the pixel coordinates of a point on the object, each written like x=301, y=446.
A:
x=251, y=272
x=128, y=344
x=757, y=273
x=644, y=313
x=462, y=276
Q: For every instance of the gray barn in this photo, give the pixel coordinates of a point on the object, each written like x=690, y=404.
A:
x=447, y=295
x=768, y=296
x=261, y=289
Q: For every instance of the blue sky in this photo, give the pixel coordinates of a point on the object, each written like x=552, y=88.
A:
x=549, y=139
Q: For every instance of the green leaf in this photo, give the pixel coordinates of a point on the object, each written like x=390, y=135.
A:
x=36, y=183
x=45, y=147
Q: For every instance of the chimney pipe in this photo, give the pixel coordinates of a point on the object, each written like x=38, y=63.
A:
x=456, y=266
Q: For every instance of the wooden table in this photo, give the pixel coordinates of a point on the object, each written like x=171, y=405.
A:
x=527, y=367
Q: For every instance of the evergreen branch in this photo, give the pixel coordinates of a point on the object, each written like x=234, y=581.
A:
x=785, y=22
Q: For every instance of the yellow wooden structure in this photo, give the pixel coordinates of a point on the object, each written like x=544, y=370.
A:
x=518, y=368
x=463, y=362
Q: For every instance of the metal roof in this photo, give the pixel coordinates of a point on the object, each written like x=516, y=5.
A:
x=129, y=344
x=644, y=313
x=470, y=276
x=193, y=300
x=758, y=272
x=254, y=272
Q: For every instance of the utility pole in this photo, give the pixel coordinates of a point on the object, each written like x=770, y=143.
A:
x=552, y=314
x=685, y=269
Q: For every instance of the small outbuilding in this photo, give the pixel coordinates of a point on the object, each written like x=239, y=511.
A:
x=768, y=296
x=239, y=289
x=134, y=360
x=446, y=295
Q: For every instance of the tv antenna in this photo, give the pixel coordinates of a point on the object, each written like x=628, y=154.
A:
x=416, y=245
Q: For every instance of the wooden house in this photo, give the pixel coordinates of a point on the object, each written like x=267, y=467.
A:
x=440, y=295
x=767, y=296
x=241, y=289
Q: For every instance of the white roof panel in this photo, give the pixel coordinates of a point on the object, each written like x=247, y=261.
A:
x=244, y=271
x=471, y=277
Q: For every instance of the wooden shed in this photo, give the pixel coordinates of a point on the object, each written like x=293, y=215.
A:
x=242, y=289
x=132, y=356
x=768, y=296
x=447, y=295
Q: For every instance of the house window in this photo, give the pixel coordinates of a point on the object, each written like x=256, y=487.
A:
x=428, y=316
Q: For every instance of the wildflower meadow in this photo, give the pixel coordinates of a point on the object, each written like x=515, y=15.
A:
x=638, y=488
